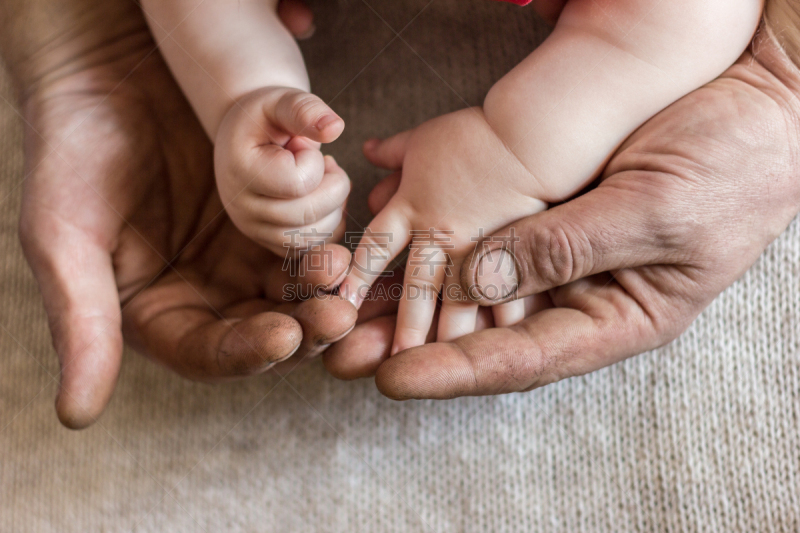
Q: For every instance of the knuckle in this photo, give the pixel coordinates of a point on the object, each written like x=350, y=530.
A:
x=245, y=216
x=665, y=204
x=671, y=230
x=551, y=256
x=669, y=198
x=664, y=331
x=663, y=320
x=373, y=245
x=528, y=369
x=686, y=236
x=557, y=255
x=413, y=331
x=515, y=364
x=417, y=288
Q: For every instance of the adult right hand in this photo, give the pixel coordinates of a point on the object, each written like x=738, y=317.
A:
x=121, y=222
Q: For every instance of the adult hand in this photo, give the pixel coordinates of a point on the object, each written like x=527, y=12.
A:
x=684, y=208
x=122, y=225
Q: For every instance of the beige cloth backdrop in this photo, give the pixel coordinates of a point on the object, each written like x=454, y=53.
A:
x=700, y=435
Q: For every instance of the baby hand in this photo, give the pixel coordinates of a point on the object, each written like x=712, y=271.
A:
x=459, y=182
x=273, y=180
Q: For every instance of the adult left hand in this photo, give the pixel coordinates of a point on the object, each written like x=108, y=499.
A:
x=683, y=209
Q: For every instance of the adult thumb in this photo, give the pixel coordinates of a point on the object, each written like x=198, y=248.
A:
x=76, y=279
x=606, y=229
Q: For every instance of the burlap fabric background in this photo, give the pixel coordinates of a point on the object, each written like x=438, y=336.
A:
x=701, y=435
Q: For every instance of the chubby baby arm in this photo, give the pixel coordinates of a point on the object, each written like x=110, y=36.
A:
x=608, y=67
x=244, y=75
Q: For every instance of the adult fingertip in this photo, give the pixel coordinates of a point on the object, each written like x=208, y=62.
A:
x=325, y=319
x=325, y=268
x=346, y=365
x=77, y=413
x=79, y=405
x=363, y=350
x=395, y=378
x=432, y=371
x=334, y=361
x=254, y=345
x=88, y=377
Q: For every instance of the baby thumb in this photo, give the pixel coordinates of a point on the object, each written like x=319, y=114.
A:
x=302, y=114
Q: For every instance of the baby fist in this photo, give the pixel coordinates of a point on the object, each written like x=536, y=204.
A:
x=272, y=178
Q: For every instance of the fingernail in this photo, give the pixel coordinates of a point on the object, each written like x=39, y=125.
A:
x=342, y=336
x=316, y=351
x=285, y=357
x=353, y=299
x=496, y=275
x=325, y=121
x=370, y=144
x=308, y=33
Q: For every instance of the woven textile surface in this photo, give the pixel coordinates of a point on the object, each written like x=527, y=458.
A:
x=702, y=435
